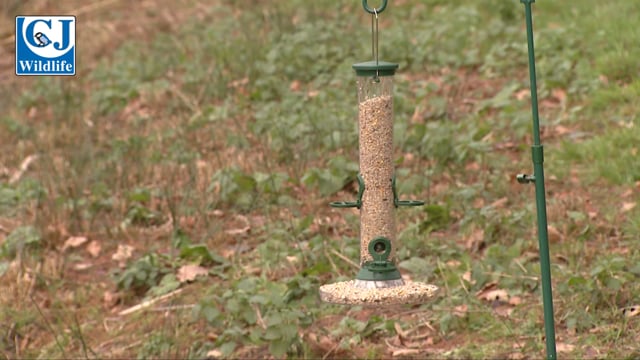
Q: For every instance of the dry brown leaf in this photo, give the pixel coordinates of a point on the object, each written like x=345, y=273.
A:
x=562, y=347
x=603, y=79
x=460, y=310
x=503, y=310
x=475, y=241
x=94, y=248
x=494, y=295
x=218, y=213
x=82, y=266
x=214, y=354
x=559, y=94
x=515, y=301
x=628, y=206
x=467, y=277
x=631, y=311
x=555, y=235
x=295, y=85
x=486, y=288
x=122, y=254
x=110, y=299
x=562, y=130
x=523, y=94
x=74, y=242
x=500, y=203
x=472, y=166
x=191, y=272
x=238, y=83
x=453, y=263
x=627, y=193
x=516, y=356
x=240, y=231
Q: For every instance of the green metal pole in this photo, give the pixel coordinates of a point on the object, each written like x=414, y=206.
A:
x=541, y=205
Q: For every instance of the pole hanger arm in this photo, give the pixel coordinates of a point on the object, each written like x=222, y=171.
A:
x=366, y=7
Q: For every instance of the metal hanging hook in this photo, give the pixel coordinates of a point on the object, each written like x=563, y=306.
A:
x=378, y=10
x=374, y=37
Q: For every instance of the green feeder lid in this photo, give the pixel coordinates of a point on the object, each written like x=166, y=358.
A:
x=371, y=68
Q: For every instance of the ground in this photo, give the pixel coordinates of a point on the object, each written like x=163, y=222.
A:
x=171, y=199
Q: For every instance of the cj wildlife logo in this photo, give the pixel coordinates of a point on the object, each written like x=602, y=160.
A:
x=45, y=45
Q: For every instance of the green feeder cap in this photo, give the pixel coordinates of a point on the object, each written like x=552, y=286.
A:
x=371, y=68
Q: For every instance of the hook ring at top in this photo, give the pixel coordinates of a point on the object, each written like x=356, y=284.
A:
x=376, y=11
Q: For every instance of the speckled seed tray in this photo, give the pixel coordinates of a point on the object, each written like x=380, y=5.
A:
x=348, y=293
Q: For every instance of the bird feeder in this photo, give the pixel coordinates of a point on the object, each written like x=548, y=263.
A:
x=378, y=282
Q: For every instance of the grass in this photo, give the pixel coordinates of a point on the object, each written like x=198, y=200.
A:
x=211, y=137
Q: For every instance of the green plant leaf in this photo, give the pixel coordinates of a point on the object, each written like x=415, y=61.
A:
x=19, y=240
x=227, y=348
x=279, y=347
x=200, y=254
x=210, y=313
x=166, y=285
x=272, y=333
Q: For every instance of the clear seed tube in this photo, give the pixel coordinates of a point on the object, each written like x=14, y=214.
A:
x=375, y=122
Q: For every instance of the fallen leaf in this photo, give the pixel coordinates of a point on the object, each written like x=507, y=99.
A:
x=523, y=94
x=295, y=85
x=627, y=206
x=94, y=248
x=191, y=272
x=240, y=231
x=495, y=295
x=631, y=311
x=492, y=285
x=82, y=266
x=475, y=241
x=627, y=193
x=74, y=242
x=562, y=130
x=503, y=310
x=218, y=213
x=562, y=347
x=473, y=166
x=500, y=203
x=515, y=300
x=122, y=254
x=559, y=94
x=214, y=354
x=460, y=310
x=453, y=263
x=238, y=83
x=110, y=299
x=555, y=235
x=467, y=277
x=603, y=79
